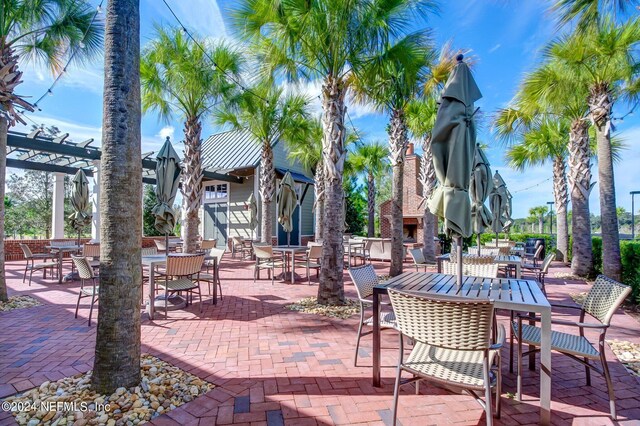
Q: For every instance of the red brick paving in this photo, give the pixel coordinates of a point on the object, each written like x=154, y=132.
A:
x=272, y=366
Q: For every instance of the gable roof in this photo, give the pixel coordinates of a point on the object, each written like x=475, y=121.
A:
x=232, y=150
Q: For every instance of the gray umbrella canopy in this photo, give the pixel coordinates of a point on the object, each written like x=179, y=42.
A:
x=167, y=179
x=508, y=211
x=80, y=202
x=498, y=199
x=287, y=201
x=253, y=212
x=453, y=144
x=480, y=187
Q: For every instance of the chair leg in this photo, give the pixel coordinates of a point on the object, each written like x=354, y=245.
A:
x=93, y=300
x=308, y=274
x=396, y=389
x=498, y=387
x=78, y=304
x=511, y=342
x=487, y=394
x=200, y=296
x=587, y=372
x=519, y=367
x=355, y=359
x=30, y=275
x=26, y=269
x=607, y=377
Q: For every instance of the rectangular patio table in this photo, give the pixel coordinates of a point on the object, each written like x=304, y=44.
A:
x=62, y=249
x=510, y=294
x=500, y=260
x=155, y=260
x=289, y=255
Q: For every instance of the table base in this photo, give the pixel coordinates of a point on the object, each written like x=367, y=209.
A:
x=173, y=304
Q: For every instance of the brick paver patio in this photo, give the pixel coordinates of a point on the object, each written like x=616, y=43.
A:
x=273, y=366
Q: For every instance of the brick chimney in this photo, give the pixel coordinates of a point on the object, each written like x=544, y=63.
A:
x=410, y=149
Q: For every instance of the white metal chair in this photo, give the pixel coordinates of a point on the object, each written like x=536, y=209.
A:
x=179, y=276
x=161, y=245
x=213, y=278
x=485, y=251
x=364, y=279
x=604, y=297
x=31, y=264
x=92, y=252
x=265, y=260
x=484, y=270
x=312, y=260
x=85, y=271
x=452, y=345
x=418, y=259
x=540, y=271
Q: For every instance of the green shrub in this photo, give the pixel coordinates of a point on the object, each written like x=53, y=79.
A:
x=596, y=250
x=630, y=256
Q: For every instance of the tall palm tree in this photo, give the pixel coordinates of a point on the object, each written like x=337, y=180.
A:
x=371, y=159
x=605, y=55
x=117, y=353
x=390, y=82
x=327, y=40
x=548, y=142
x=179, y=76
x=591, y=12
x=268, y=114
x=552, y=91
x=537, y=214
x=45, y=32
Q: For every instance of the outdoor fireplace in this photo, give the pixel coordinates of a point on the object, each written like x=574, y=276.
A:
x=409, y=232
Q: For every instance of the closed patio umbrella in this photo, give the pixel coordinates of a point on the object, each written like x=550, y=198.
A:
x=253, y=212
x=498, y=200
x=453, y=143
x=287, y=201
x=508, y=211
x=80, y=202
x=479, y=187
x=167, y=179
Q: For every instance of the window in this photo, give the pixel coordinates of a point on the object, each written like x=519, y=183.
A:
x=215, y=192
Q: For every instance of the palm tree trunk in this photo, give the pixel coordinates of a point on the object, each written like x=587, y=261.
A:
x=560, y=194
x=267, y=191
x=331, y=288
x=580, y=184
x=371, y=205
x=427, y=177
x=191, y=183
x=318, y=189
x=397, y=152
x=540, y=224
x=117, y=354
x=4, y=128
x=600, y=104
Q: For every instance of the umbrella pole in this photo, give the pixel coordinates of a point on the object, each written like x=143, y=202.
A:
x=288, y=239
x=166, y=243
x=496, y=239
x=478, y=244
x=459, y=260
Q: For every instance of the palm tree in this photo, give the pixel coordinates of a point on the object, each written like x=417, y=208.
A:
x=553, y=91
x=605, y=55
x=328, y=40
x=268, y=114
x=591, y=12
x=45, y=32
x=390, y=82
x=117, y=354
x=537, y=214
x=548, y=142
x=372, y=160
x=180, y=75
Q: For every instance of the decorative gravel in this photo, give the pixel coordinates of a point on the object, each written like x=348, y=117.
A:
x=310, y=305
x=628, y=353
x=70, y=401
x=18, y=302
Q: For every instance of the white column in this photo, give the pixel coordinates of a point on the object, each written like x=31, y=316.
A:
x=95, y=202
x=57, y=216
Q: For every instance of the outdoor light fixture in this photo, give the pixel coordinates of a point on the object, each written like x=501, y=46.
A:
x=633, y=217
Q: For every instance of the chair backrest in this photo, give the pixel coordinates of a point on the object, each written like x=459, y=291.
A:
x=161, y=245
x=451, y=323
x=184, y=264
x=605, y=296
x=538, y=252
x=91, y=250
x=364, y=278
x=208, y=244
x=236, y=241
x=504, y=250
x=218, y=253
x=487, y=270
x=417, y=255
x=85, y=271
x=486, y=251
x=473, y=259
x=315, y=252
x=63, y=243
x=26, y=251
x=148, y=251
x=547, y=262
x=263, y=251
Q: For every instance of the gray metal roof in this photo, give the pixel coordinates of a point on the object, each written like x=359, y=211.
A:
x=232, y=150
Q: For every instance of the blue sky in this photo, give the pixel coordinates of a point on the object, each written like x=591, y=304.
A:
x=505, y=36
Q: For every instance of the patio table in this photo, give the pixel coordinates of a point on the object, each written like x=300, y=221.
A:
x=500, y=260
x=510, y=294
x=62, y=249
x=289, y=255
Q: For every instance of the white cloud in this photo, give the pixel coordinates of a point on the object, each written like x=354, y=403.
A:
x=166, y=132
x=494, y=48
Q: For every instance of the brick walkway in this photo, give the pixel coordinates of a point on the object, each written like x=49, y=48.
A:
x=273, y=366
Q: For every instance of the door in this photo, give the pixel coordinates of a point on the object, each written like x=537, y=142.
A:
x=295, y=233
x=215, y=223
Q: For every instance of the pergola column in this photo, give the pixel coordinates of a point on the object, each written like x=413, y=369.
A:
x=95, y=203
x=57, y=216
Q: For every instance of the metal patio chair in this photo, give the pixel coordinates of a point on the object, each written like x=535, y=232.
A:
x=85, y=271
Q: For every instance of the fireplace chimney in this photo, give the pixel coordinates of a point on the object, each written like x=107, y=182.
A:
x=410, y=149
